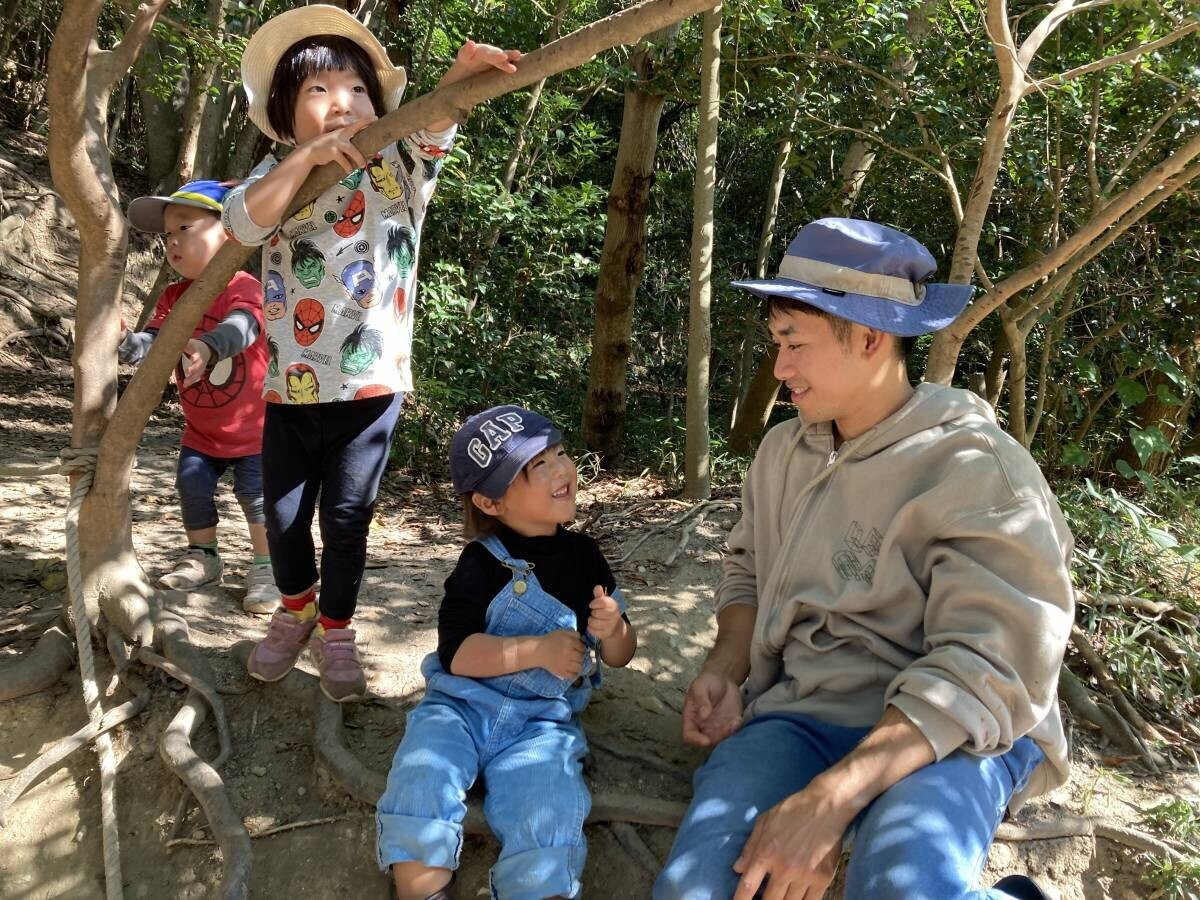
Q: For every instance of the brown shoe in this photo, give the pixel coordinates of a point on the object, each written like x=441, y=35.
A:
x=336, y=656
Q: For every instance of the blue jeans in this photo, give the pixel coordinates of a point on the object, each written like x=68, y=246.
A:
x=926, y=838
x=196, y=479
x=520, y=732
x=336, y=451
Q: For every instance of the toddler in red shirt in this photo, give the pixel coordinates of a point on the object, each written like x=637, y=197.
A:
x=220, y=380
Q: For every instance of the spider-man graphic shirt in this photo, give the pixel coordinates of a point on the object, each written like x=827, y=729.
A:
x=340, y=276
x=224, y=410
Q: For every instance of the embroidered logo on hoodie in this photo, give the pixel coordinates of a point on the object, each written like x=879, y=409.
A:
x=857, y=558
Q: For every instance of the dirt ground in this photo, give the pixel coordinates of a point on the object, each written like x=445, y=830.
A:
x=50, y=845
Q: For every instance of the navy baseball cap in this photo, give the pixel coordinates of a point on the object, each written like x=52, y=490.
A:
x=146, y=213
x=492, y=447
x=867, y=273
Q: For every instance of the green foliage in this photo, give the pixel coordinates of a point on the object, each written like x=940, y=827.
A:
x=1179, y=820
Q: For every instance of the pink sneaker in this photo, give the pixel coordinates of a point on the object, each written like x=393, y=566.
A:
x=336, y=656
x=276, y=654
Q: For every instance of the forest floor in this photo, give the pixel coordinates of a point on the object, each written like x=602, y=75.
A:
x=51, y=845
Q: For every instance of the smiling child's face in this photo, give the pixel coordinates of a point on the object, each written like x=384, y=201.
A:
x=542, y=497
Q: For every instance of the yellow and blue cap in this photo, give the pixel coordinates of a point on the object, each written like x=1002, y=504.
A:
x=146, y=213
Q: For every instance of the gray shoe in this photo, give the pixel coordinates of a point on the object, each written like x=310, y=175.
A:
x=195, y=569
x=342, y=676
x=261, y=594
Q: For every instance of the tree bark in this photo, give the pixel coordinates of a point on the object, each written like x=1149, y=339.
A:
x=697, y=472
x=622, y=262
x=754, y=406
x=161, y=120
x=80, y=82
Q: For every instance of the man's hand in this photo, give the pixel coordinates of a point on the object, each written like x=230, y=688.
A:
x=196, y=356
x=335, y=147
x=797, y=843
x=712, y=710
x=474, y=58
x=561, y=652
x=604, y=619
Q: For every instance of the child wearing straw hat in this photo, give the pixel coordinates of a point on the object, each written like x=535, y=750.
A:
x=340, y=278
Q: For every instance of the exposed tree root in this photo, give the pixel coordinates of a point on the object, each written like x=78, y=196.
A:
x=1085, y=649
x=265, y=832
x=202, y=779
x=41, y=667
x=150, y=658
x=703, y=505
x=366, y=785
x=631, y=842
x=1085, y=705
x=632, y=755
x=68, y=745
x=1082, y=826
x=205, y=783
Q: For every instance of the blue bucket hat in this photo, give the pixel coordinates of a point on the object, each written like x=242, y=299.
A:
x=492, y=447
x=146, y=213
x=867, y=273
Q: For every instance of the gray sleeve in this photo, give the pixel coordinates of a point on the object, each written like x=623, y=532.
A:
x=237, y=331
x=135, y=345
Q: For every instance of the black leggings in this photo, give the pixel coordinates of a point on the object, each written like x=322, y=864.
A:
x=337, y=451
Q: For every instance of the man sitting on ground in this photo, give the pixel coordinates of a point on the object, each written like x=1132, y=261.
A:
x=893, y=613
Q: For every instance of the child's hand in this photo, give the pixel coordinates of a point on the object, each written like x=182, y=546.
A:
x=605, y=617
x=561, y=652
x=335, y=147
x=473, y=58
x=196, y=356
x=124, y=331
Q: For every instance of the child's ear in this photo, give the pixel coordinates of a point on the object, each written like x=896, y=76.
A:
x=485, y=504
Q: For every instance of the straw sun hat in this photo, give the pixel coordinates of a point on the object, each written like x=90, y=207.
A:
x=272, y=40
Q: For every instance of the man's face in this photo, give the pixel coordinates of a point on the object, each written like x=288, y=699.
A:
x=826, y=379
x=192, y=237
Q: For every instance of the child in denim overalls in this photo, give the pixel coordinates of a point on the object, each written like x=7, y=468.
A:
x=514, y=669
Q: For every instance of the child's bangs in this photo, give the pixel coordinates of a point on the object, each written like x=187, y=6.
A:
x=312, y=56
x=330, y=54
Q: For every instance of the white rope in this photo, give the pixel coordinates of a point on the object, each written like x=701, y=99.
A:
x=83, y=462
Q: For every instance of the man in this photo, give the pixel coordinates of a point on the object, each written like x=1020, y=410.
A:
x=893, y=613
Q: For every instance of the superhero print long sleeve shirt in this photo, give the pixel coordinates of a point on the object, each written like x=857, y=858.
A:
x=340, y=276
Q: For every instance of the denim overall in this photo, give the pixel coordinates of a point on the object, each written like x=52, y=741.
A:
x=521, y=732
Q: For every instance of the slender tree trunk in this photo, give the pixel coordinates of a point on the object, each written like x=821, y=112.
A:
x=754, y=406
x=162, y=122
x=508, y=177
x=118, y=113
x=622, y=261
x=697, y=473
x=245, y=151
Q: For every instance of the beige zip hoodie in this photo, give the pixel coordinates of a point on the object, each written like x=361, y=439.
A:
x=923, y=564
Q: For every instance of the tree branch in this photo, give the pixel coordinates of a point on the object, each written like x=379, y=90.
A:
x=628, y=26
x=1163, y=177
x=114, y=63
x=1096, y=65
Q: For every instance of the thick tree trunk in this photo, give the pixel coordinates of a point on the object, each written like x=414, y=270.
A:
x=80, y=84
x=622, y=261
x=697, y=475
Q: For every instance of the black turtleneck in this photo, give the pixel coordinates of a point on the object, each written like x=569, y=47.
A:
x=567, y=565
